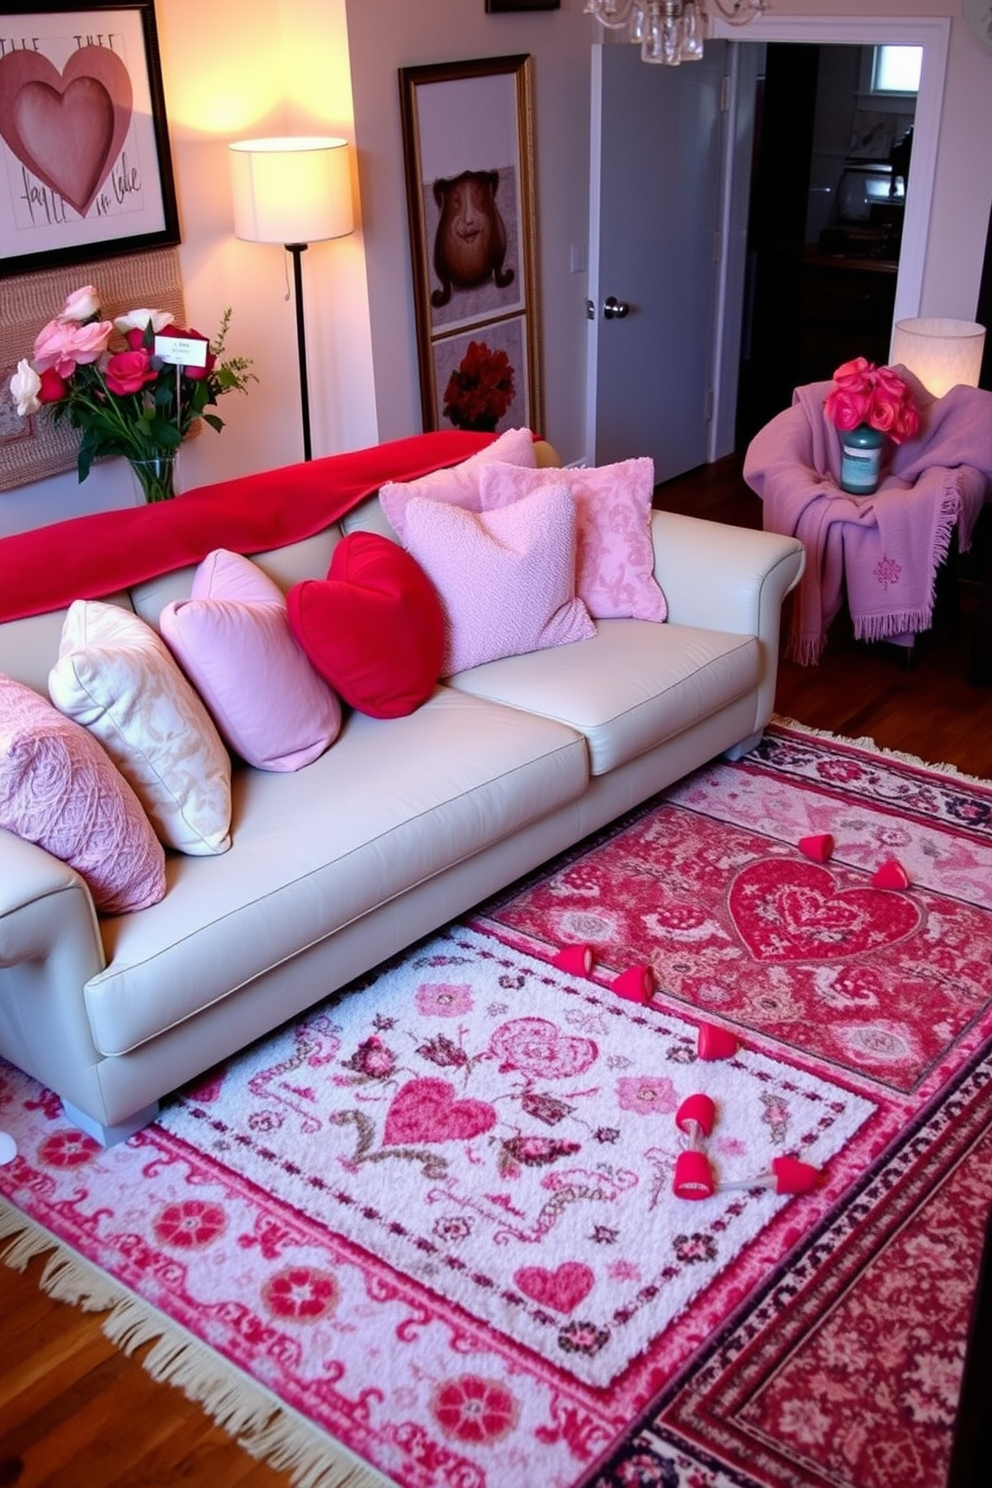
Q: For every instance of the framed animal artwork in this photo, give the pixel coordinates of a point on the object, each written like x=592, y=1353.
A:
x=85, y=170
x=468, y=148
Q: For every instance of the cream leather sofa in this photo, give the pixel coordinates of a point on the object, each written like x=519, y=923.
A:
x=401, y=825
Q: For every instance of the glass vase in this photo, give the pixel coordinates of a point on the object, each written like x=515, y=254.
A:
x=861, y=460
x=157, y=478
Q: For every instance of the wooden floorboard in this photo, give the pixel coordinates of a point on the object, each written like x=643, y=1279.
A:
x=77, y=1412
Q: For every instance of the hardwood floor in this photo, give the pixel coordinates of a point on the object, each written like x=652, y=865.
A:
x=77, y=1413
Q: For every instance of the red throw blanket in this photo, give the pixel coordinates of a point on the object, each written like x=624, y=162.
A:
x=88, y=557
x=882, y=551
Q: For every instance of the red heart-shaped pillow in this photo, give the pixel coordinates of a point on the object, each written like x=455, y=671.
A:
x=374, y=628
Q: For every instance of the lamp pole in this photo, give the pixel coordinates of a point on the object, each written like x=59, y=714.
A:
x=297, y=249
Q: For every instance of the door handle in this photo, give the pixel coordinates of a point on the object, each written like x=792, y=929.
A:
x=614, y=309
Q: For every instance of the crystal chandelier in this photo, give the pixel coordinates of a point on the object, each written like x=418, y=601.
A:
x=670, y=31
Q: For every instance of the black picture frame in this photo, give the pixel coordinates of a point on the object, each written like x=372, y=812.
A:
x=118, y=196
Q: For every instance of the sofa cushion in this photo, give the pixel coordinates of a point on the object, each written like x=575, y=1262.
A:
x=506, y=578
x=232, y=639
x=373, y=628
x=60, y=790
x=615, y=557
x=395, y=803
x=116, y=677
x=630, y=688
x=458, y=485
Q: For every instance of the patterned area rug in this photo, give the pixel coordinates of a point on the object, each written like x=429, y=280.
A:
x=434, y=1221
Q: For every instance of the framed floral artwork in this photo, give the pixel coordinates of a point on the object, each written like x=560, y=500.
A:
x=468, y=148
x=85, y=170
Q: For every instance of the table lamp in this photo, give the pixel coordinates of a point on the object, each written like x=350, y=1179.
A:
x=294, y=191
x=942, y=353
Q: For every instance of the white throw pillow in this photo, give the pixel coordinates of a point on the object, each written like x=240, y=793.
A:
x=116, y=677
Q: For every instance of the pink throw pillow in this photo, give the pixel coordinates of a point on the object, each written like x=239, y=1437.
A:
x=60, y=790
x=506, y=578
x=232, y=639
x=615, y=558
x=458, y=484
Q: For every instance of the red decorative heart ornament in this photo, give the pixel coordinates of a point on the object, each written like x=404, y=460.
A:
x=787, y=911
x=68, y=127
x=429, y=1111
x=562, y=1289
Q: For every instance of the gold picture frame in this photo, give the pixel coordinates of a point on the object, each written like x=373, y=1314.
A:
x=468, y=143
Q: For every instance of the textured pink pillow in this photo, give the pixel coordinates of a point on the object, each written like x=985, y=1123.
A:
x=506, y=578
x=233, y=641
x=458, y=484
x=59, y=789
x=615, y=559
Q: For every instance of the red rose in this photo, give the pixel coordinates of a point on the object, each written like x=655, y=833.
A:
x=847, y=409
x=195, y=374
x=53, y=388
x=128, y=371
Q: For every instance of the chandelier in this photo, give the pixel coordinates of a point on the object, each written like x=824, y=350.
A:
x=670, y=31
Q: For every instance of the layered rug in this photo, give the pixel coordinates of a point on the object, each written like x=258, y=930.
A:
x=428, y=1235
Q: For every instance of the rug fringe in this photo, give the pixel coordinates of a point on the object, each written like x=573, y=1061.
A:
x=260, y=1423
x=865, y=742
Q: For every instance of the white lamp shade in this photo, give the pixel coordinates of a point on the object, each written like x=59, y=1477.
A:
x=291, y=190
x=942, y=353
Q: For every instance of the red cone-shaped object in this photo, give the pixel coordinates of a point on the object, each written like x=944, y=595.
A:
x=793, y=1176
x=693, y=1176
x=575, y=959
x=696, y=1111
x=636, y=984
x=819, y=846
x=716, y=1043
x=890, y=875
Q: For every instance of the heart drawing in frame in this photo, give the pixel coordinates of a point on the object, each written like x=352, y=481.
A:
x=68, y=127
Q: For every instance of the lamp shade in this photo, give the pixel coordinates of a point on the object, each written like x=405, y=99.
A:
x=295, y=190
x=942, y=353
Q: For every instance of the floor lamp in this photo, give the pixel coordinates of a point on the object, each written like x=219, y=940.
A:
x=294, y=191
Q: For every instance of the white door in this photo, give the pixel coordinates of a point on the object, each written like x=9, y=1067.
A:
x=655, y=211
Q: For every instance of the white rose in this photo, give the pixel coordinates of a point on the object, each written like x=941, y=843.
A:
x=137, y=320
x=24, y=387
x=81, y=305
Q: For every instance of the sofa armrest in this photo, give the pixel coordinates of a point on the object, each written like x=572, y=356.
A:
x=50, y=946
x=724, y=578
x=735, y=579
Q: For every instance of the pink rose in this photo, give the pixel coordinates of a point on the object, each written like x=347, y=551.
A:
x=128, y=371
x=883, y=414
x=854, y=375
x=53, y=388
x=907, y=425
x=82, y=304
x=847, y=409
x=65, y=345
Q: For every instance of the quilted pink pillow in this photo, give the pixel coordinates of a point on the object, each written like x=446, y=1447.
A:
x=458, y=484
x=60, y=790
x=506, y=578
x=615, y=562
x=233, y=641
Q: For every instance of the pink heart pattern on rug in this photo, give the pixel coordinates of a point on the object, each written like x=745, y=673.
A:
x=428, y=1110
x=562, y=1289
x=787, y=911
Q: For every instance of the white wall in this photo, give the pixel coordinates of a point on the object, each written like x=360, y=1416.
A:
x=234, y=68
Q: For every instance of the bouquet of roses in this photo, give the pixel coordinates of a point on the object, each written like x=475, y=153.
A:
x=130, y=400
x=480, y=389
x=876, y=396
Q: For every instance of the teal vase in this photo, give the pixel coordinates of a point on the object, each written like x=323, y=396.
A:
x=861, y=460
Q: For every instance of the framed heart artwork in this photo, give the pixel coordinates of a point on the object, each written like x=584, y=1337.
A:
x=85, y=170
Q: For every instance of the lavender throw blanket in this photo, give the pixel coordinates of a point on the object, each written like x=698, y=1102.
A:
x=884, y=550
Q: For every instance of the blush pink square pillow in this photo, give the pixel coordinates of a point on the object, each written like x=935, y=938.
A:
x=232, y=639
x=615, y=559
x=506, y=578
x=60, y=790
x=458, y=484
